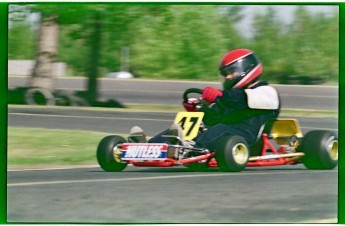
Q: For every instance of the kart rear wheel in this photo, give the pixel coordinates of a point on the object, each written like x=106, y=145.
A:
x=107, y=157
x=232, y=153
x=321, y=149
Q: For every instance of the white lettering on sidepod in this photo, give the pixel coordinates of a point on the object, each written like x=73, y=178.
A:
x=143, y=151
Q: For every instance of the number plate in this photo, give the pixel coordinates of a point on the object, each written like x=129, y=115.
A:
x=144, y=151
x=190, y=123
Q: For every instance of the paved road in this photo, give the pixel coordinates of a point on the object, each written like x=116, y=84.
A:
x=289, y=194
x=170, y=92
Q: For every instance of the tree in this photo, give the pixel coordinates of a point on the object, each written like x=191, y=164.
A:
x=236, y=37
x=41, y=82
x=184, y=42
x=267, y=42
x=94, y=42
x=19, y=47
x=46, y=52
x=315, y=39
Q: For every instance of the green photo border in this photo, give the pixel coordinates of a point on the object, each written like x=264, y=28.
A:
x=341, y=125
x=3, y=111
x=4, y=87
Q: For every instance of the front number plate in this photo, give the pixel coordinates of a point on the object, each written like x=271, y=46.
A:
x=190, y=123
x=144, y=151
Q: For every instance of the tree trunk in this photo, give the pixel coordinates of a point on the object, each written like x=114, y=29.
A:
x=94, y=42
x=42, y=76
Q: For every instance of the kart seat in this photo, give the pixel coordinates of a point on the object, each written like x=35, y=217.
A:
x=280, y=130
x=283, y=129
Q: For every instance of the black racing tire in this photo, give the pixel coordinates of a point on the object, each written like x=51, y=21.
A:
x=63, y=98
x=105, y=154
x=320, y=148
x=39, y=96
x=232, y=153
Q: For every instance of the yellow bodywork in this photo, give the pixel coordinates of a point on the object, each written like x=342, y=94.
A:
x=283, y=129
x=190, y=123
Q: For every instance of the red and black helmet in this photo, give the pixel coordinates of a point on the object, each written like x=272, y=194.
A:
x=243, y=61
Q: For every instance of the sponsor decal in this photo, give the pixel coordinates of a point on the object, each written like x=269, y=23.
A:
x=148, y=151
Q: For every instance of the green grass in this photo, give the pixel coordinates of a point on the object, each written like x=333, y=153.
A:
x=38, y=147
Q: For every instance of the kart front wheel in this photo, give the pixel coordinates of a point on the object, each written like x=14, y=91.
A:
x=321, y=149
x=232, y=153
x=108, y=156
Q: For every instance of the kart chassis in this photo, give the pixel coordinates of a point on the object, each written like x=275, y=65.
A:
x=316, y=150
x=270, y=156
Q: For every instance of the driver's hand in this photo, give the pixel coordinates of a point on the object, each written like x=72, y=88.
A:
x=210, y=94
x=191, y=104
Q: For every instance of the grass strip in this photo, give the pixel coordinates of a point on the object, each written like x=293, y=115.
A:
x=36, y=147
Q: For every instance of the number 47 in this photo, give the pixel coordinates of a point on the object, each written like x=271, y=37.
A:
x=190, y=123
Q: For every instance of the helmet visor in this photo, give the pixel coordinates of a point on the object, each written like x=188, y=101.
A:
x=232, y=69
x=231, y=74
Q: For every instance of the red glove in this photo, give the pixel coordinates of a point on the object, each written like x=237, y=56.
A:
x=210, y=94
x=190, y=105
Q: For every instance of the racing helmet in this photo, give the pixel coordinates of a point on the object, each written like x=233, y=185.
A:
x=243, y=64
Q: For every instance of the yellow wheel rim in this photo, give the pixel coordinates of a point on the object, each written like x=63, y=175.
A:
x=240, y=153
x=117, y=154
x=332, y=149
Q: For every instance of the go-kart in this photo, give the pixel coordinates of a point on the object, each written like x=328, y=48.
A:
x=279, y=142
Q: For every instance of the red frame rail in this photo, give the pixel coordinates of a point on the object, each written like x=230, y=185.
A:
x=278, y=157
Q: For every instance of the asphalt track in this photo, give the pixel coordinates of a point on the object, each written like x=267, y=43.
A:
x=170, y=91
x=289, y=194
x=286, y=194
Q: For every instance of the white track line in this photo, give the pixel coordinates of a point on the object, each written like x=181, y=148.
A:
x=40, y=183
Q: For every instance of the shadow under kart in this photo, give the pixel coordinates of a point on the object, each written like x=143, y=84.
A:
x=279, y=142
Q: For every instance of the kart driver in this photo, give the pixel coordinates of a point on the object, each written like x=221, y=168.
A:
x=241, y=108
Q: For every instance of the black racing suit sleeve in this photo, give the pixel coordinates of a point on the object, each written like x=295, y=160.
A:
x=227, y=109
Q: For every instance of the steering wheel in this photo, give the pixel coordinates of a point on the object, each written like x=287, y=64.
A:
x=189, y=91
x=202, y=103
